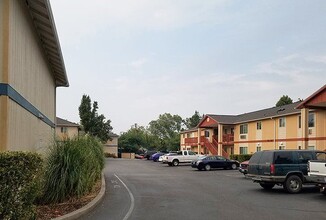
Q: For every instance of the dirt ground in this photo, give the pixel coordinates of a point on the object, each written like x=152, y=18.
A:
x=45, y=212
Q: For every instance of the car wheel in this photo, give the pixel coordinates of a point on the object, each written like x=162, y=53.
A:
x=293, y=184
x=175, y=162
x=267, y=186
x=207, y=167
x=233, y=166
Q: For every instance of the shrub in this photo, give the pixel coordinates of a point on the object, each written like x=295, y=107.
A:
x=240, y=157
x=72, y=168
x=19, y=184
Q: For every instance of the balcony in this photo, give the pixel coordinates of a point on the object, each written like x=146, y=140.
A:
x=228, y=138
x=191, y=141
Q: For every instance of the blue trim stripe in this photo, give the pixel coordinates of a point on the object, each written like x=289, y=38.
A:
x=7, y=90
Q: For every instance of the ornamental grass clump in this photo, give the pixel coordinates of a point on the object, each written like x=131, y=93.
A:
x=19, y=184
x=72, y=168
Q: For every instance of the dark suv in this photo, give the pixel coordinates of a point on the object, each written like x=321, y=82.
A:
x=282, y=167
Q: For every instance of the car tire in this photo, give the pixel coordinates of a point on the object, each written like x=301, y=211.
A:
x=234, y=166
x=207, y=167
x=293, y=184
x=175, y=162
x=267, y=186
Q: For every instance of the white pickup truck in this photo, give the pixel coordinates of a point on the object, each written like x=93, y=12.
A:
x=184, y=156
x=317, y=170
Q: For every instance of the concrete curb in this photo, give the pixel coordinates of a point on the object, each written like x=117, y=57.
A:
x=87, y=208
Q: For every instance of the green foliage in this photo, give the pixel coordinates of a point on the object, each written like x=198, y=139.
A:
x=167, y=128
x=135, y=139
x=93, y=124
x=240, y=157
x=19, y=181
x=72, y=168
x=284, y=100
x=193, y=121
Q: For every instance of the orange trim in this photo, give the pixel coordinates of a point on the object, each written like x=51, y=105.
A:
x=279, y=140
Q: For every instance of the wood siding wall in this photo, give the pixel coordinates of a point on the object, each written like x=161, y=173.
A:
x=30, y=75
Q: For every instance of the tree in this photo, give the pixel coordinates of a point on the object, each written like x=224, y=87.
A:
x=284, y=100
x=167, y=128
x=193, y=121
x=92, y=123
x=136, y=139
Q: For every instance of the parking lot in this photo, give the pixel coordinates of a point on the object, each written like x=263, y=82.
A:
x=141, y=189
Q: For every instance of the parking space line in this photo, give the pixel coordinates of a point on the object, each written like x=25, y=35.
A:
x=132, y=199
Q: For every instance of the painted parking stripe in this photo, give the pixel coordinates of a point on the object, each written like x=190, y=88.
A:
x=132, y=199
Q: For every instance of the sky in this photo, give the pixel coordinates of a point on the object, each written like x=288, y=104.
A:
x=139, y=59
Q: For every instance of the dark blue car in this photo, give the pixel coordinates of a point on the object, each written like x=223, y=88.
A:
x=156, y=156
x=209, y=162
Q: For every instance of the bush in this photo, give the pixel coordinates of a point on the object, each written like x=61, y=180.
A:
x=240, y=157
x=72, y=168
x=19, y=181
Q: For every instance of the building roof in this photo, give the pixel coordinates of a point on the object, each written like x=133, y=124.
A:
x=65, y=123
x=189, y=130
x=41, y=13
x=257, y=115
x=316, y=100
x=111, y=134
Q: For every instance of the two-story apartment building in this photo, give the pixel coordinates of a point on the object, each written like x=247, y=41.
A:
x=66, y=129
x=301, y=125
x=31, y=68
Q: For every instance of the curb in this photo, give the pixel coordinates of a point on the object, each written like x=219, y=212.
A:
x=87, y=208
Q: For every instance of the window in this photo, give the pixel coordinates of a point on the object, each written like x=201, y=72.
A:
x=206, y=133
x=244, y=129
x=311, y=120
x=191, y=153
x=258, y=148
x=63, y=130
x=285, y=157
x=299, y=121
x=311, y=147
x=225, y=131
x=321, y=156
x=281, y=147
x=304, y=156
x=243, y=150
x=282, y=122
x=259, y=125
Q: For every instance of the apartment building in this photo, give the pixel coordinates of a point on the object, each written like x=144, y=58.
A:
x=66, y=129
x=31, y=68
x=301, y=125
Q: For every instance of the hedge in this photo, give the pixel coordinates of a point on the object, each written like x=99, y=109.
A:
x=19, y=184
x=240, y=157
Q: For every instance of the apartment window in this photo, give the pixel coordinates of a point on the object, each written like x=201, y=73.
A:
x=299, y=121
x=258, y=148
x=259, y=125
x=206, y=133
x=282, y=147
x=63, y=130
x=282, y=122
x=311, y=147
x=311, y=120
x=244, y=129
x=243, y=150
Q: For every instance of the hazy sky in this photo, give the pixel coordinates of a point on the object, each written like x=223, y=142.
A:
x=142, y=58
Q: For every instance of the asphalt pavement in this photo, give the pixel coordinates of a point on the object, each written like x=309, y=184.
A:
x=141, y=189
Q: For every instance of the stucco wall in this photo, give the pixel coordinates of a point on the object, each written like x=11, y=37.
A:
x=71, y=132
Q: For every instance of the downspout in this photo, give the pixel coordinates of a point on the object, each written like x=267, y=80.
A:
x=274, y=132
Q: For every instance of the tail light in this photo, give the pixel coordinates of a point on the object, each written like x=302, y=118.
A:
x=272, y=168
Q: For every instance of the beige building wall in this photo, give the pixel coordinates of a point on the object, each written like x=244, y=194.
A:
x=29, y=74
x=320, y=129
x=111, y=146
x=70, y=132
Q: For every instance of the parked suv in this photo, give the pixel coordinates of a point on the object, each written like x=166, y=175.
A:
x=281, y=167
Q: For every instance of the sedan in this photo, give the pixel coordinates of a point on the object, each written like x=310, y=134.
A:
x=209, y=162
x=155, y=157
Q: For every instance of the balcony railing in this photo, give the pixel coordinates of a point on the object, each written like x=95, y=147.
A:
x=191, y=141
x=228, y=137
